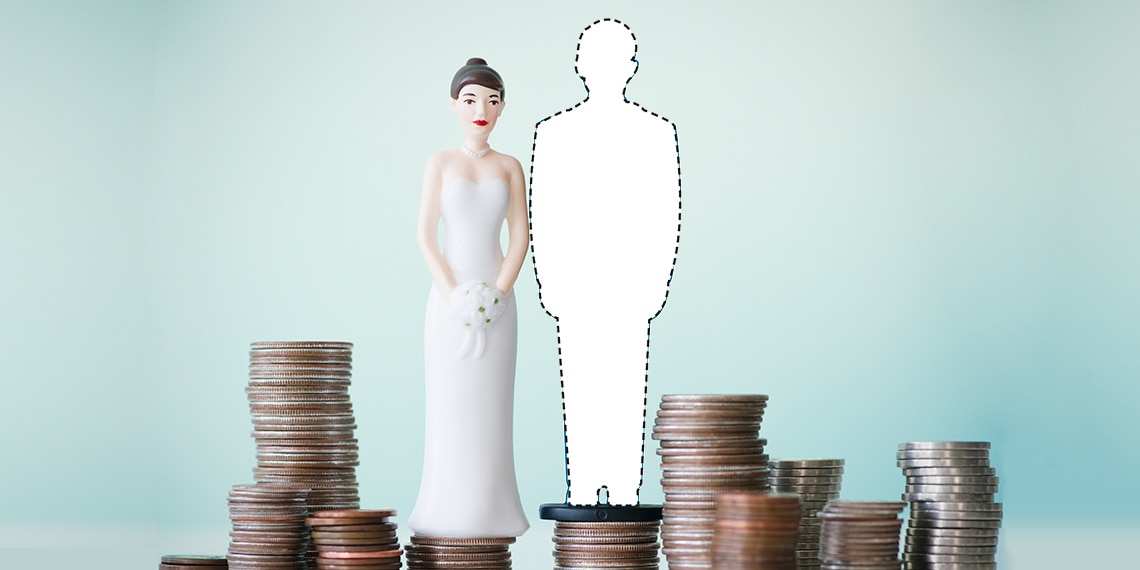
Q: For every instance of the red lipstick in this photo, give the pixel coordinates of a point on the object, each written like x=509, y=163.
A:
x=481, y=123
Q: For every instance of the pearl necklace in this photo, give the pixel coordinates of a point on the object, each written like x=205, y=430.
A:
x=473, y=154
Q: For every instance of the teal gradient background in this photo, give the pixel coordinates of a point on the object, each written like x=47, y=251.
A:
x=902, y=221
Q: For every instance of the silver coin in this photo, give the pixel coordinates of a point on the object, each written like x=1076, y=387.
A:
x=953, y=497
x=947, y=566
x=805, y=479
x=955, y=454
x=953, y=523
x=918, y=543
x=924, y=533
x=808, y=463
x=715, y=398
x=949, y=472
x=807, y=488
x=952, y=489
x=967, y=550
x=686, y=470
x=810, y=473
x=945, y=445
x=933, y=514
x=951, y=558
x=949, y=480
x=987, y=507
x=943, y=463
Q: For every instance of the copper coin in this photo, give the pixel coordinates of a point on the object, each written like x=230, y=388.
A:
x=443, y=541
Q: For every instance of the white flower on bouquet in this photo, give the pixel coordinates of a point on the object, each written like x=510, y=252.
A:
x=475, y=306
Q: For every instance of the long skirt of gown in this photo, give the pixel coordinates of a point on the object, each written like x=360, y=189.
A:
x=468, y=488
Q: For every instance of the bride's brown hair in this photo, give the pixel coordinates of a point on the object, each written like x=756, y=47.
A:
x=478, y=72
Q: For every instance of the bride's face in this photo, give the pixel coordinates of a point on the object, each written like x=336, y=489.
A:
x=478, y=109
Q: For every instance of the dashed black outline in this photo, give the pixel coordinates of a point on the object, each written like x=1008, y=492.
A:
x=533, y=256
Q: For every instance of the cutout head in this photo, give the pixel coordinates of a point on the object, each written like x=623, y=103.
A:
x=607, y=57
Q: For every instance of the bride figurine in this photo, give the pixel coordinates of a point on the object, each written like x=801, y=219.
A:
x=468, y=488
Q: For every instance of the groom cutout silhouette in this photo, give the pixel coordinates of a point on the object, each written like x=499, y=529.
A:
x=605, y=222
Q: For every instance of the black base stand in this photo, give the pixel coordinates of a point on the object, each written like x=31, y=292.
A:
x=562, y=512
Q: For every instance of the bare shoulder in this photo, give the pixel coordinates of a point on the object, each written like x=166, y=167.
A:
x=508, y=162
x=438, y=160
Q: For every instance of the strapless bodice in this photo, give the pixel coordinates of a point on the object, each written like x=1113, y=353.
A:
x=473, y=216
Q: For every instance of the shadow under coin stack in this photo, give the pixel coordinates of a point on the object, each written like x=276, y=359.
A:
x=709, y=444
x=816, y=481
x=756, y=531
x=430, y=553
x=628, y=545
x=954, y=520
x=355, y=540
x=269, y=531
x=303, y=422
x=192, y=562
x=861, y=535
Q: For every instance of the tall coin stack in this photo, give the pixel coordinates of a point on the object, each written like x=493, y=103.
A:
x=709, y=444
x=303, y=422
x=610, y=545
x=355, y=540
x=269, y=531
x=954, y=519
x=861, y=535
x=816, y=481
x=431, y=553
x=756, y=531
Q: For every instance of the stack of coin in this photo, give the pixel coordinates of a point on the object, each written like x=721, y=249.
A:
x=610, y=545
x=430, y=553
x=816, y=481
x=268, y=528
x=192, y=562
x=756, y=531
x=709, y=444
x=355, y=540
x=303, y=422
x=860, y=535
x=954, y=520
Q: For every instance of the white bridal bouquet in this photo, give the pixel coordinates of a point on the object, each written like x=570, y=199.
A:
x=476, y=306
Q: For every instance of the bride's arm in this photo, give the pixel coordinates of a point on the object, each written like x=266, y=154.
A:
x=427, y=228
x=517, y=229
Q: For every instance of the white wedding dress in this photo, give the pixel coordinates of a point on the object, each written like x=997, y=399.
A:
x=468, y=487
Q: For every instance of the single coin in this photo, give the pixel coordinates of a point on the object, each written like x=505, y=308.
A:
x=967, y=462
x=908, y=454
x=949, y=472
x=443, y=541
x=805, y=480
x=949, y=480
x=715, y=398
x=362, y=554
x=952, y=532
x=194, y=559
x=958, y=506
x=953, y=523
x=918, y=513
x=945, y=445
x=952, y=489
x=807, y=463
x=952, y=497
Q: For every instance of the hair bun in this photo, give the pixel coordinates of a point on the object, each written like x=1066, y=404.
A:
x=477, y=72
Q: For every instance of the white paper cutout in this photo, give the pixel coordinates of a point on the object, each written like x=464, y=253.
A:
x=605, y=221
